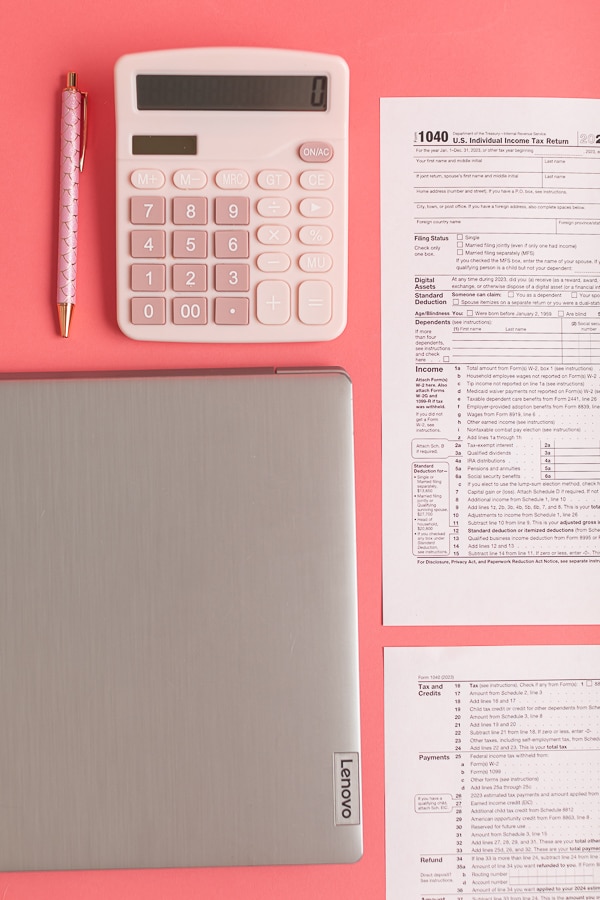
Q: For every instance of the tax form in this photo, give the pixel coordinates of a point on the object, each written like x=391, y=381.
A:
x=493, y=789
x=490, y=220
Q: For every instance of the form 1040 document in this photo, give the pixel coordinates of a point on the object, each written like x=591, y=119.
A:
x=491, y=360
x=492, y=773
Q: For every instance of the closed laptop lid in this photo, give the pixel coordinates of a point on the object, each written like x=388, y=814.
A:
x=178, y=628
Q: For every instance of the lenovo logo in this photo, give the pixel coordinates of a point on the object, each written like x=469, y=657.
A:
x=347, y=788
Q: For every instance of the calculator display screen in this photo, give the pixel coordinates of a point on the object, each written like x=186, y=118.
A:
x=276, y=93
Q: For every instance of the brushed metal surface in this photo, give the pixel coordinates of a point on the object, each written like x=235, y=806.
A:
x=178, y=630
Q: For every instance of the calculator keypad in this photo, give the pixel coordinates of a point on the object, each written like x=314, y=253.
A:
x=236, y=254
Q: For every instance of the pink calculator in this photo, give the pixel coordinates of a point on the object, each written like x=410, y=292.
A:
x=232, y=197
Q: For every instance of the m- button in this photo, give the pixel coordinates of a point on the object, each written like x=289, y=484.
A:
x=189, y=179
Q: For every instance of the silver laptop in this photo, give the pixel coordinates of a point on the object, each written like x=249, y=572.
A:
x=178, y=624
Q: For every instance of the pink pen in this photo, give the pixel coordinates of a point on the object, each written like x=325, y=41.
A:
x=73, y=126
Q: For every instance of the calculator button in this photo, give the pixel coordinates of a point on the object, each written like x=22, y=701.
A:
x=148, y=311
x=315, y=152
x=190, y=211
x=147, y=179
x=232, y=211
x=273, y=262
x=274, y=234
x=316, y=180
x=313, y=235
x=148, y=277
x=314, y=302
x=232, y=311
x=316, y=207
x=273, y=305
x=274, y=179
x=147, y=210
x=274, y=207
x=190, y=244
x=189, y=179
x=189, y=277
x=190, y=312
x=232, y=277
x=315, y=262
x=148, y=244
x=232, y=179
x=232, y=244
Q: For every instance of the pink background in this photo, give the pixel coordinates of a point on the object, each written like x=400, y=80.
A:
x=394, y=48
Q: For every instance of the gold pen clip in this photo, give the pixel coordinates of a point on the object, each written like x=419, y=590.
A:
x=84, y=113
x=72, y=86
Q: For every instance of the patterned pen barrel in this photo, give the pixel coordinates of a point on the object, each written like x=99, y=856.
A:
x=72, y=145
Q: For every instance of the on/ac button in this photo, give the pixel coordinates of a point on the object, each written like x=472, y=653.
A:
x=315, y=152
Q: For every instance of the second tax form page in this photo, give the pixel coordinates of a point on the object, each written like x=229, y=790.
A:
x=494, y=789
x=491, y=360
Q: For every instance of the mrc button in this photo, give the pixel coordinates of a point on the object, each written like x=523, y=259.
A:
x=315, y=151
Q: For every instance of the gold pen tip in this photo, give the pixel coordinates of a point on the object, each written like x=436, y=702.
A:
x=65, y=314
x=72, y=80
